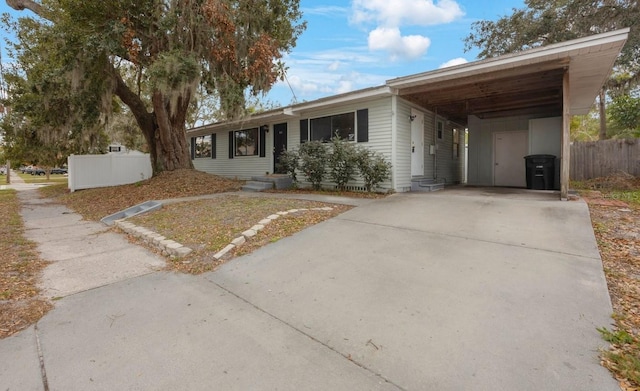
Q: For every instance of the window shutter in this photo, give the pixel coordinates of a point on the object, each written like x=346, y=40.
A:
x=304, y=131
x=231, y=145
x=193, y=148
x=363, y=125
x=213, y=146
x=263, y=140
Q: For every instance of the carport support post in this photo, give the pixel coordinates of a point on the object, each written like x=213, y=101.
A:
x=566, y=141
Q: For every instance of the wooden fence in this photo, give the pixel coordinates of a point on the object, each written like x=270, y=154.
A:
x=593, y=159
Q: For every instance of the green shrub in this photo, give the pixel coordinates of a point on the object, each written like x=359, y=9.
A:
x=373, y=168
x=289, y=163
x=343, y=162
x=313, y=159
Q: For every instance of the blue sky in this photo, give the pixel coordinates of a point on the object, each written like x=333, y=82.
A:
x=349, y=45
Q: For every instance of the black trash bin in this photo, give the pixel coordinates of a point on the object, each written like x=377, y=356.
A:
x=540, y=171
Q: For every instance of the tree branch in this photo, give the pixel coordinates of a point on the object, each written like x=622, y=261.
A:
x=21, y=5
x=133, y=101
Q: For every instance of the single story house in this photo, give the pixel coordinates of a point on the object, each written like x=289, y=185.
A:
x=509, y=106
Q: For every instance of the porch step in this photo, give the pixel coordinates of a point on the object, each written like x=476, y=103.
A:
x=257, y=186
x=426, y=184
x=275, y=181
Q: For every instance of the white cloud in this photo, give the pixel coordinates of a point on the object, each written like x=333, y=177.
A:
x=454, y=62
x=344, y=86
x=394, y=13
x=390, y=15
x=334, y=66
x=325, y=10
x=390, y=40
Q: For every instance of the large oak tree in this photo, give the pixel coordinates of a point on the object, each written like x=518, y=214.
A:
x=90, y=49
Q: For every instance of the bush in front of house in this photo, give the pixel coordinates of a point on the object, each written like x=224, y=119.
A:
x=290, y=163
x=313, y=158
x=373, y=168
x=342, y=162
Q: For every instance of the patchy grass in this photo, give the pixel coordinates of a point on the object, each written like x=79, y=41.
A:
x=20, y=267
x=94, y=204
x=207, y=226
x=614, y=204
x=54, y=178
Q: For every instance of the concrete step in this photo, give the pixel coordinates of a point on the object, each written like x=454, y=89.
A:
x=257, y=186
x=280, y=181
x=132, y=211
x=431, y=186
x=425, y=184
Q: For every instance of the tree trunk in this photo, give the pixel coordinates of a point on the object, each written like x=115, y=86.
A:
x=168, y=142
x=603, y=114
x=163, y=129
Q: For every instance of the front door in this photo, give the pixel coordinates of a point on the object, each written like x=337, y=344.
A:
x=417, y=143
x=509, y=150
x=279, y=145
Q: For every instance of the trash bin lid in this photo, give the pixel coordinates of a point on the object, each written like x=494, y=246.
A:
x=540, y=157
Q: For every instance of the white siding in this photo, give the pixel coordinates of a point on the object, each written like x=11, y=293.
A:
x=403, y=146
x=379, y=132
x=245, y=167
x=448, y=168
x=240, y=167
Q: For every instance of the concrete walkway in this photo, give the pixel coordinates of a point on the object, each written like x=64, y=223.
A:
x=453, y=290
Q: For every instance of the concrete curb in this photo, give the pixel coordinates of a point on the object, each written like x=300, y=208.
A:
x=174, y=249
x=253, y=231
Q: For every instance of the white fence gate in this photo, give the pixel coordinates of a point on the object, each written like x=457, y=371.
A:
x=89, y=171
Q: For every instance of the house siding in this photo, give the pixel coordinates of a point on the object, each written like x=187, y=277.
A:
x=380, y=117
x=240, y=167
x=403, y=146
x=244, y=167
x=449, y=169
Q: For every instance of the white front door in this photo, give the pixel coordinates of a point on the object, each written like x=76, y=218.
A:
x=509, y=150
x=417, y=143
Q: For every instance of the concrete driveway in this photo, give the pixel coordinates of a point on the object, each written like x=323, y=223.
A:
x=455, y=290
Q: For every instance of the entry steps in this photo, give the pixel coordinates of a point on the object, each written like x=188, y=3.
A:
x=267, y=182
x=426, y=184
x=132, y=211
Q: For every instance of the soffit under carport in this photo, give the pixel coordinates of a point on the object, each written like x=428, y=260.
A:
x=530, y=90
x=528, y=82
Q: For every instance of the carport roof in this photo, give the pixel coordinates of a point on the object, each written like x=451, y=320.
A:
x=519, y=83
x=528, y=82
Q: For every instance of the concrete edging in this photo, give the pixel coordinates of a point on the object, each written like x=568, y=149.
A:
x=172, y=248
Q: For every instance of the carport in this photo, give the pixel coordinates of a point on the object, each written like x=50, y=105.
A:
x=555, y=81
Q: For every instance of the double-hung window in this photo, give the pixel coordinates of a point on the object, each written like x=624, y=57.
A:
x=203, y=146
x=246, y=142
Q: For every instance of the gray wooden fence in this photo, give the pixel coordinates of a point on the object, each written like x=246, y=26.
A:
x=593, y=159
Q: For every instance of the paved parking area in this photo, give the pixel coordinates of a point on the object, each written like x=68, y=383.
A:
x=454, y=290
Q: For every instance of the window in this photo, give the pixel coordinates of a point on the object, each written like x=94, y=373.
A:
x=440, y=129
x=246, y=142
x=342, y=125
x=456, y=143
x=203, y=147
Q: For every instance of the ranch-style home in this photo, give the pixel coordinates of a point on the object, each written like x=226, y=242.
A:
x=509, y=107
